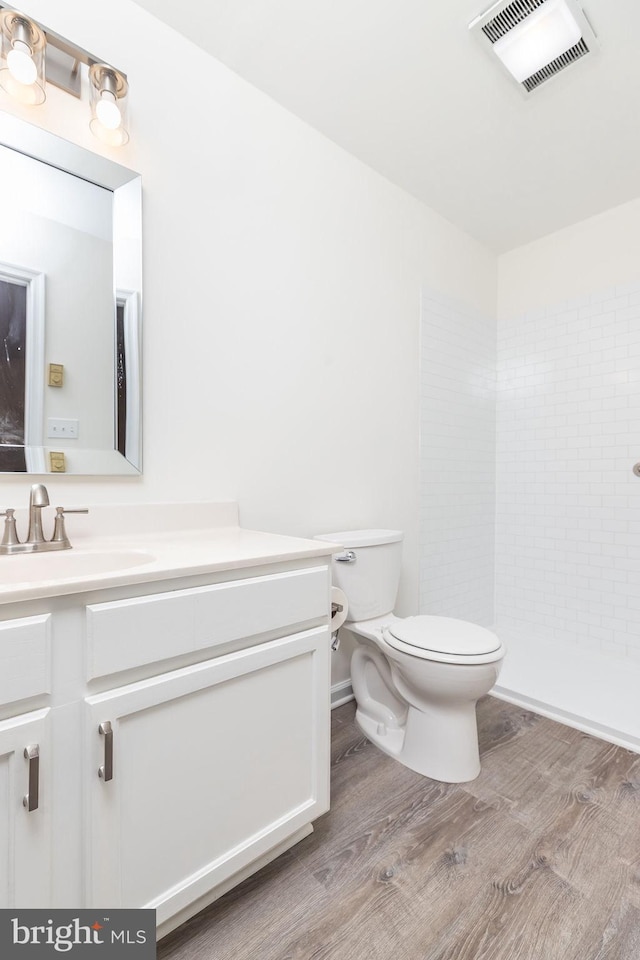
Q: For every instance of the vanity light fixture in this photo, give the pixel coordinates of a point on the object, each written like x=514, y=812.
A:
x=535, y=39
x=22, y=74
x=22, y=50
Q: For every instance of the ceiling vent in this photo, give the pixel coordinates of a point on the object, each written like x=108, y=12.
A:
x=535, y=40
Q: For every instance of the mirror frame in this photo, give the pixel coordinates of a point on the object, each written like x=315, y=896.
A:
x=46, y=147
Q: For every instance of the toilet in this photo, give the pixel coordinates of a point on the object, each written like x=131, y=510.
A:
x=416, y=680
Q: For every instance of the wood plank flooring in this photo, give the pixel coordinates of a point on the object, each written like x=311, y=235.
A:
x=537, y=859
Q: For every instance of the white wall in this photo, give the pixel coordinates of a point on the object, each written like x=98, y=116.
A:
x=457, y=460
x=281, y=297
x=590, y=256
x=568, y=507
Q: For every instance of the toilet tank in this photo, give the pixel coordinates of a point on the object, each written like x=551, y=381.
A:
x=368, y=570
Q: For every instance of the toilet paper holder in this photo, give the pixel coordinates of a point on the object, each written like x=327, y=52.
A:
x=336, y=608
x=339, y=608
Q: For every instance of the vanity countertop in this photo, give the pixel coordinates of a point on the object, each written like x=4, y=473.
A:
x=99, y=561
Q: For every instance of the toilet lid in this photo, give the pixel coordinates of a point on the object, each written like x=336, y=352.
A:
x=443, y=636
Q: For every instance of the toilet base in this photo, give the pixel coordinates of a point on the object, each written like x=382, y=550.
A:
x=441, y=744
x=387, y=739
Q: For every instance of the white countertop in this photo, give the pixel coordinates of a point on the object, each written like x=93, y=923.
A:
x=141, y=555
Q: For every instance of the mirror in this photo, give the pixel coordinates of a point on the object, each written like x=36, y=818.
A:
x=70, y=308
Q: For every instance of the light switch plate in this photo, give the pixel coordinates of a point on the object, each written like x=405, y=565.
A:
x=67, y=429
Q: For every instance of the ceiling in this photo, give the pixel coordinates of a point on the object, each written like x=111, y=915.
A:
x=404, y=86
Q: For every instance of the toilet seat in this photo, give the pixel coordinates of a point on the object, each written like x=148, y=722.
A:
x=443, y=640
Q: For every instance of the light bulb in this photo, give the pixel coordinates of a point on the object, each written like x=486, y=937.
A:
x=21, y=66
x=108, y=111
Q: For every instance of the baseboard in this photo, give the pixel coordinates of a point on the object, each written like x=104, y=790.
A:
x=341, y=693
x=618, y=737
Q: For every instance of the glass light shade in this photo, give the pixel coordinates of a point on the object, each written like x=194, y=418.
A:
x=109, y=105
x=545, y=34
x=22, y=58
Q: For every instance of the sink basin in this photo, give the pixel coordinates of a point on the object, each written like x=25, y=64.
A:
x=68, y=564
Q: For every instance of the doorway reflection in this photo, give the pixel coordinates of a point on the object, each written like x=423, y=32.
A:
x=13, y=351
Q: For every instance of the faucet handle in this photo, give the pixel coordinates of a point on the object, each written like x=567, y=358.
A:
x=59, y=532
x=10, y=535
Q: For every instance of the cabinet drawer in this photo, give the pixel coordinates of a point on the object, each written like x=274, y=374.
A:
x=24, y=658
x=130, y=633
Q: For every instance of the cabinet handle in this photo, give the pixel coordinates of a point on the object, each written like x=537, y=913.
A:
x=32, y=754
x=106, y=771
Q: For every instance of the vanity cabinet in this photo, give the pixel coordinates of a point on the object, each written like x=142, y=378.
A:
x=190, y=733
x=25, y=741
x=25, y=830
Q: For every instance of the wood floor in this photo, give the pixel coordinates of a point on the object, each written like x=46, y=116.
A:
x=537, y=859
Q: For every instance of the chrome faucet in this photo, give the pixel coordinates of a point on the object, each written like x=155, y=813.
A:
x=36, y=541
x=38, y=498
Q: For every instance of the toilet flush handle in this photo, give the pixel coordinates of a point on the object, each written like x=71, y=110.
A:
x=347, y=557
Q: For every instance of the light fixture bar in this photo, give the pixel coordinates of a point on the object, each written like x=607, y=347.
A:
x=23, y=45
x=63, y=66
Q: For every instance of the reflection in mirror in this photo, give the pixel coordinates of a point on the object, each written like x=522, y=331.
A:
x=70, y=290
x=13, y=333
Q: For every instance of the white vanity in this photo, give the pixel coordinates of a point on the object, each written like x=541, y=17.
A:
x=164, y=708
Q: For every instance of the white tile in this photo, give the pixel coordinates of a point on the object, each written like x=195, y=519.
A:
x=564, y=460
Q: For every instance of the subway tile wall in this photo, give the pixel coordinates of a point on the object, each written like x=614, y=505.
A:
x=457, y=460
x=568, y=504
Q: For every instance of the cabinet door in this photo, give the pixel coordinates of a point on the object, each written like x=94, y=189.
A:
x=25, y=834
x=212, y=766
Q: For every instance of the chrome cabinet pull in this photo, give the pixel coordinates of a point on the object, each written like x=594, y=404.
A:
x=347, y=557
x=32, y=754
x=106, y=771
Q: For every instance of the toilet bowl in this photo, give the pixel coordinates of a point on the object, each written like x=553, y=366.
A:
x=416, y=680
